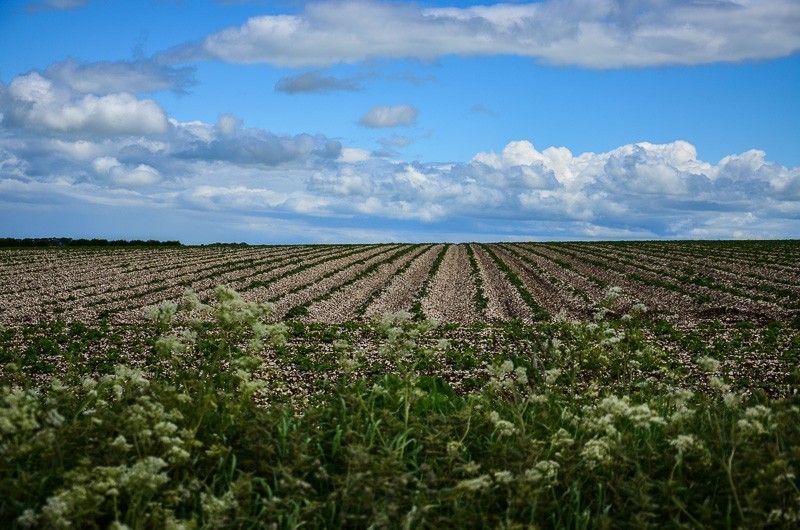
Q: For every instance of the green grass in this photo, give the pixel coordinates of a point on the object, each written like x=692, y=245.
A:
x=563, y=425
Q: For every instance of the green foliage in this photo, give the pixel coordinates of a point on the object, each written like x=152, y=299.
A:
x=481, y=302
x=574, y=425
x=297, y=311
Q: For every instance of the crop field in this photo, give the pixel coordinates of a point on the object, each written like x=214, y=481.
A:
x=515, y=385
x=684, y=283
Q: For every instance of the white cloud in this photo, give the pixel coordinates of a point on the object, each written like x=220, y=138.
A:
x=589, y=33
x=32, y=101
x=125, y=176
x=227, y=124
x=351, y=155
x=62, y=147
x=234, y=197
x=384, y=116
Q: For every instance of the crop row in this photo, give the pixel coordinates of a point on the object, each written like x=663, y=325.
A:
x=684, y=282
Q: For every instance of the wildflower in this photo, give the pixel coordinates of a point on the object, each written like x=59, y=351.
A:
x=503, y=477
x=505, y=428
x=596, y=452
x=480, y=483
x=56, y=508
x=502, y=427
x=683, y=442
x=20, y=413
x=53, y=418
x=790, y=515
x=561, y=439
x=170, y=345
x=454, y=448
x=471, y=467
x=507, y=367
x=642, y=416
x=543, y=473
x=136, y=377
x=731, y=399
x=28, y=519
x=613, y=292
x=120, y=442
x=756, y=421
x=215, y=508
x=682, y=396
x=719, y=384
x=681, y=414
x=521, y=374
x=536, y=398
x=552, y=375
x=348, y=365
x=163, y=313
x=192, y=303
x=686, y=444
x=499, y=375
x=708, y=364
x=145, y=473
x=165, y=428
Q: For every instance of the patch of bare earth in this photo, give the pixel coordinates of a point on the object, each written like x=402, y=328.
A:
x=720, y=305
x=342, y=305
x=402, y=289
x=279, y=285
x=324, y=282
x=584, y=295
x=503, y=300
x=545, y=293
x=452, y=292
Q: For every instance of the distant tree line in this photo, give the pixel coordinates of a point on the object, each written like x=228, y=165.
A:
x=69, y=242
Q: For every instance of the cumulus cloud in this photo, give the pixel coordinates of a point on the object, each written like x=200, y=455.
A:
x=249, y=146
x=311, y=82
x=227, y=124
x=34, y=101
x=385, y=116
x=610, y=34
x=64, y=147
x=125, y=176
x=645, y=189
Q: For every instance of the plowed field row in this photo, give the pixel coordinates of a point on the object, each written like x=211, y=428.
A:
x=683, y=282
x=705, y=295
x=711, y=263
x=695, y=272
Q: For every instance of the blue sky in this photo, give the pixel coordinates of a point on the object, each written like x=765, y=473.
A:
x=302, y=122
